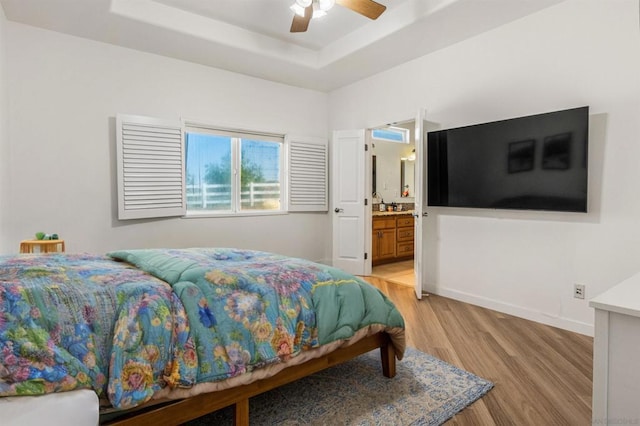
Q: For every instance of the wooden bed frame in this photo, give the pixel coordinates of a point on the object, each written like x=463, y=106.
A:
x=179, y=411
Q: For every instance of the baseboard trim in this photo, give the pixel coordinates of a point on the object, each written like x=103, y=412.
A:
x=518, y=311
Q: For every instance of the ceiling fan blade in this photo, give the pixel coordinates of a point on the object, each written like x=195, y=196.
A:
x=368, y=8
x=301, y=23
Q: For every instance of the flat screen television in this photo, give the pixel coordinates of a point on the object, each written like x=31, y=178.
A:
x=538, y=162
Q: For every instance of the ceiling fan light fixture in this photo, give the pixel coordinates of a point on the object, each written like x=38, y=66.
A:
x=325, y=5
x=317, y=12
x=297, y=9
x=306, y=10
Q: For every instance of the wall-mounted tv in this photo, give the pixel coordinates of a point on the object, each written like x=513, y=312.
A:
x=538, y=162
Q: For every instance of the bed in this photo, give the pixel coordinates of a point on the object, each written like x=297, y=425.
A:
x=168, y=335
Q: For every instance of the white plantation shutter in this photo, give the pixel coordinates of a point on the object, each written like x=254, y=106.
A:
x=308, y=174
x=150, y=156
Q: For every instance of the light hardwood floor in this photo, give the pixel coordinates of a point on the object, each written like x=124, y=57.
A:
x=542, y=375
x=397, y=272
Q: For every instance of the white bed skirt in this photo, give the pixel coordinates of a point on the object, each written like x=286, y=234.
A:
x=78, y=407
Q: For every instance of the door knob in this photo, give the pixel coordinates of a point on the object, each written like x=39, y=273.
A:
x=338, y=210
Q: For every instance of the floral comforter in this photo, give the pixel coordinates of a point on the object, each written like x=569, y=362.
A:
x=179, y=317
x=81, y=321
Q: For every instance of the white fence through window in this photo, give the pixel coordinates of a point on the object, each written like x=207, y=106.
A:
x=218, y=196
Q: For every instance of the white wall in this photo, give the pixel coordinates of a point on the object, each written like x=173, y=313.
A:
x=581, y=52
x=64, y=94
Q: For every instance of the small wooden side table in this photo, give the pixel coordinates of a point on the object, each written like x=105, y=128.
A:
x=44, y=246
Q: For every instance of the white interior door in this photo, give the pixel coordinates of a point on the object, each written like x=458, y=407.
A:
x=420, y=200
x=348, y=174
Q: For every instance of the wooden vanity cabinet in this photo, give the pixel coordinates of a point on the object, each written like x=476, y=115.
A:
x=404, y=246
x=383, y=240
x=392, y=238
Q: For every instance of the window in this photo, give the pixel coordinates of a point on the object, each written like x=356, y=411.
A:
x=391, y=134
x=232, y=172
x=166, y=169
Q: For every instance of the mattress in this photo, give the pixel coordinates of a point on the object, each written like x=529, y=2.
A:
x=79, y=407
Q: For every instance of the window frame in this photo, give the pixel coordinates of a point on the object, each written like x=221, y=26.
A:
x=393, y=129
x=236, y=136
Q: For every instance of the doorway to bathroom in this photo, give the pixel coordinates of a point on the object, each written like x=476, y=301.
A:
x=393, y=202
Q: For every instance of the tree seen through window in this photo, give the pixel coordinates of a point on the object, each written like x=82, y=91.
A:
x=210, y=184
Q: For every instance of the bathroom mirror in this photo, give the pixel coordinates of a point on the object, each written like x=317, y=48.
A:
x=374, y=174
x=390, y=182
x=407, y=168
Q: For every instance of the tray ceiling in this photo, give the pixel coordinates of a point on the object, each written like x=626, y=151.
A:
x=252, y=36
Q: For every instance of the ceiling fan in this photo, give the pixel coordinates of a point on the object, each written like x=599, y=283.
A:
x=307, y=9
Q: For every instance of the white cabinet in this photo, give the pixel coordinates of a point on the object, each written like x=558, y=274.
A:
x=616, y=349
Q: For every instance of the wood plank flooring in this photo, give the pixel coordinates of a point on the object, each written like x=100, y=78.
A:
x=397, y=272
x=542, y=375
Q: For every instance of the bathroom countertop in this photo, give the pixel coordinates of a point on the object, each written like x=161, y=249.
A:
x=386, y=213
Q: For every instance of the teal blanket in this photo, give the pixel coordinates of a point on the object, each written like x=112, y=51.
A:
x=250, y=308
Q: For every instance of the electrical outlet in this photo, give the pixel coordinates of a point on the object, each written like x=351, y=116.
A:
x=578, y=291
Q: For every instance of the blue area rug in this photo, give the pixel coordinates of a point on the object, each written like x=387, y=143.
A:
x=425, y=391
